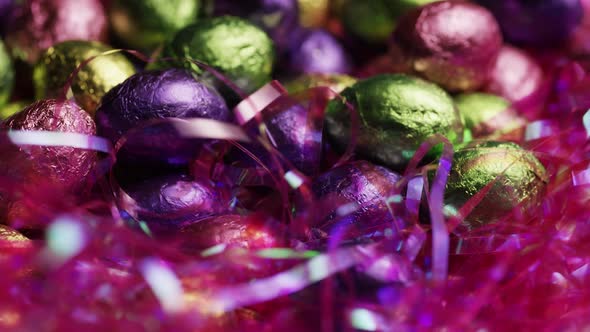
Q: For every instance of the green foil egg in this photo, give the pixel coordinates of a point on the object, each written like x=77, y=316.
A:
x=234, y=46
x=145, y=24
x=94, y=80
x=6, y=74
x=397, y=113
x=521, y=180
x=485, y=113
x=336, y=82
x=375, y=20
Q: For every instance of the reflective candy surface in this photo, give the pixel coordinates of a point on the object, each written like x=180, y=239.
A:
x=91, y=83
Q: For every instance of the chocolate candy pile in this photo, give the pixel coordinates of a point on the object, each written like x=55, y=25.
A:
x=293, y=165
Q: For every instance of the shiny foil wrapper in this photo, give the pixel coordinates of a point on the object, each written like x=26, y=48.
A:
x=6, y=75
x=452, y=43
x=65, y=166
x=39, y=24
x=520, y=183
x=362, y=188
x=152, y=95
x=144, y=24
x=515, y=75
x=397, y=113
x=336, y=82
x=155, y=94
x=92, y=82
x=249, y=232
x=486, y=114
x=13, y=237
x=278, y=18
x=167, y=203
x=236, y=47
x=318, y=51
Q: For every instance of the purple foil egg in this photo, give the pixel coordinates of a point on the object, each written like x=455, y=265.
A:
x=318, y=51
x=168, y=202
x=150, y=95
x=452, y=43
x=294, y=132
x=278, y=18
x=536, y=23
x=358, y=192
x=515, y=76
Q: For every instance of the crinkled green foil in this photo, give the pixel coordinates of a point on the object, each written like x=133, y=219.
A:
x=92, y=82
x=232, y=45
x=397, y=113
x=478, y=108
x=521, y=180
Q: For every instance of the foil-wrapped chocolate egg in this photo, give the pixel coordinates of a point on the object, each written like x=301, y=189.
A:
x=361, y=189
x=144, y=24
x=485, y=114
x=452, y=43
x=318, y=51
x=66, y=166
x=515, y=75
x=250, y=232
x=519, y=177
x=167, y=203
x=536, y=23
x=91, y=83
x=293, y=129
x=278, y=18
x=336, y=82
x=397, y=113
x=236, y=47
x=6, y=75
x=374, y=21
x=155, y=95
x=39, y=24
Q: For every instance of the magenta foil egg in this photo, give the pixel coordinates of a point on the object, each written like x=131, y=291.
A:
x=39, y=24
x=515, y=75
x=65, y=166
x=452, y=43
